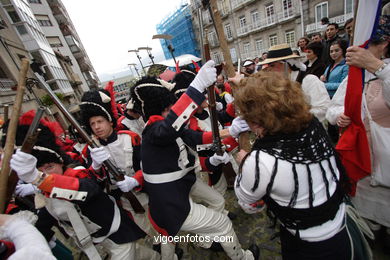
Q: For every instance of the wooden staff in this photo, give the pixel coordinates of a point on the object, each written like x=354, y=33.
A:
x=11, y=133
x=243, y=139
x=6, y=108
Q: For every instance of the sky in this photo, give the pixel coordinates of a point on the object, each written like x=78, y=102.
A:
x=108, y=29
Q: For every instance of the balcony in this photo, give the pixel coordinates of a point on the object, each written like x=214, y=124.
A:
x=316, y=27
x=224, y=12
x=3, y=25
x=84, y=64
x=237, y=4
x=261, y=24
x=7, y=85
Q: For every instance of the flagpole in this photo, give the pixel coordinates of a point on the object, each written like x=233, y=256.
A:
x=355, y=9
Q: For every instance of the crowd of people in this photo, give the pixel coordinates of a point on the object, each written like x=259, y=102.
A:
x=293, y=103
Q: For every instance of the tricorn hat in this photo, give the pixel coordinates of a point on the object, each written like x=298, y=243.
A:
x=99, y=103
x=152, y=96
x=279, y=52
x=182, y=81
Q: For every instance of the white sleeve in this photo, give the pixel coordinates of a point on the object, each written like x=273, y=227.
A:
x=29, y=243
x=385, y=76
x=337, y=103
x=316, y=95
x=244, y=192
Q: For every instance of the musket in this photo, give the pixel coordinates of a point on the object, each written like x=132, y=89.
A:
x=227, y=169
x=28, y=143
x=117, y=173
x=217, y=21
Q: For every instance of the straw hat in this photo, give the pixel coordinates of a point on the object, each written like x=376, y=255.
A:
x=279, y=52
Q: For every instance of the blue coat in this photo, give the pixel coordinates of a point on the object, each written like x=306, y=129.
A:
x=336, y=76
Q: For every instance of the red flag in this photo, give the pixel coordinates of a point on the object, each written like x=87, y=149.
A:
x=353, y=145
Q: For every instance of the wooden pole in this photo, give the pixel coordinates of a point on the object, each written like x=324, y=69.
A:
x=6, y=109
x=244, y=137
x=222, y=39
x=11, y=133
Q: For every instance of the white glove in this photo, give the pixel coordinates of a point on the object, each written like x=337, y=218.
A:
x=98, y=155
x=228, y=98
x=206, y=76
x=24, y=165
x=238, y=126
x=218, y=106
x=24, y=190
x=127, y=184
x=297, y=63
x=219, y=159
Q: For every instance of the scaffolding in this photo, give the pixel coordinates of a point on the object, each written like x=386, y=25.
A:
x=179, y=26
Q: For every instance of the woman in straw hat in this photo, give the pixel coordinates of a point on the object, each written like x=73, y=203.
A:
x=281, y=59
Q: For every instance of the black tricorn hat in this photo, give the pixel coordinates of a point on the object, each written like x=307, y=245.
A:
x=152, y=96
x=182, y=81
x=97, y=103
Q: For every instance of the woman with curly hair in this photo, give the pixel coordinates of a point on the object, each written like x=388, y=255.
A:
x=293, y=168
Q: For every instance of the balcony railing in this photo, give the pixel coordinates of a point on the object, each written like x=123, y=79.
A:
x=7, y=85
x=239, y=3
x=268, y=21
x=316, y=27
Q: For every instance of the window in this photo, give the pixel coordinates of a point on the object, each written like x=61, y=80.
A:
x=206, y=17
x=259, y=45
x=212, y=39
x=233, y=54
x=224, y=7
x=34, y=1
x=54, y=41
x=255, y=17
x=21, y=29
x=13, y=14
x=270, y=14
x=290, y=38
x=287, y=8
x=242, y=21
x=216, y=58
x=348, y=6
x=273, y=40
x=43, y=20
x=321, y=11
x=228, y=31
x=246, y=48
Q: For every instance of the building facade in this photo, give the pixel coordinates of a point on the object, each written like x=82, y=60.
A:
x=252, y=26
x=179, y=26
x=68, y=43
x=122, y=88
x=30, y=29
x=11, y=52
x=337, y=12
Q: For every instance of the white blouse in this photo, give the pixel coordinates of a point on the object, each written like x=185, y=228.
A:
x=283, y=189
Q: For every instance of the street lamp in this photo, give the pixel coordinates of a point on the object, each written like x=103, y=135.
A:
x=135, y=67
x=148, y=50
x=166, y=37
x=139, y=58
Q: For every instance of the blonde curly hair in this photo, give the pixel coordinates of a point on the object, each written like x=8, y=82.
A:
x=273, y=102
